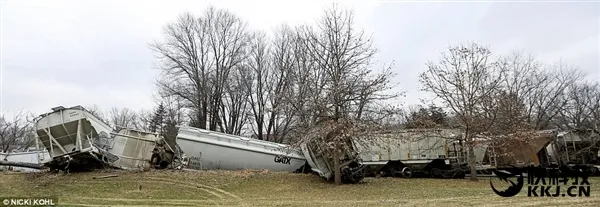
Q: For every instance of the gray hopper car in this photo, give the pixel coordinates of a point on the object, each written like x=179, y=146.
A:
x=412, y=153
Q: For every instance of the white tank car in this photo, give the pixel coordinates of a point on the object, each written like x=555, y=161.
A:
x=210, y=150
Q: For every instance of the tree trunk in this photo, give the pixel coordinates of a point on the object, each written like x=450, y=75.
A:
x=472, y=162
x=336, y=168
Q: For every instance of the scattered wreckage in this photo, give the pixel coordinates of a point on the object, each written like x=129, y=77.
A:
x=24, y=160
x=78, y=140
x=74, y=139
x=210, y=150
x=351, y=169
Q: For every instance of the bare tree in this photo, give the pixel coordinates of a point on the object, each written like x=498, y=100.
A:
x=270, y=85
x=185, y=64
x=258, y=84
x=122, y=118
x=547, y=100
x=464, y=79
x=235, y=104
x=342, y=85
x=302, y=101
x=16, y=133
x=284, y=64
x=582, y=108
x=520, y=85
x=175, y=112
x=97, y=111
x=143, y=120
x=228, y=41
x=198, y=55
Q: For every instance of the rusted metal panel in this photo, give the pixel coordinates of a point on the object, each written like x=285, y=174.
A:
x=520, y=151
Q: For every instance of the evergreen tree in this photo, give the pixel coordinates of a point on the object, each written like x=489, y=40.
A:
x=158, y=120
x=427, y=118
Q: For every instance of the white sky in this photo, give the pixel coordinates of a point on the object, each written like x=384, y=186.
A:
x=96, y=52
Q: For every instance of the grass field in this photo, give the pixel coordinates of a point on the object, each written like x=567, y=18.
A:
x=214, y=188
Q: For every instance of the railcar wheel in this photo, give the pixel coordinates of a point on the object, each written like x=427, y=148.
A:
x=406, y=172
x=459, y=174
x=436, y=173
x=393, y=172
x=593, y=170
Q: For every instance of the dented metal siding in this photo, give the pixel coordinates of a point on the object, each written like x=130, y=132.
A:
x=133, y=148
x=34, y=157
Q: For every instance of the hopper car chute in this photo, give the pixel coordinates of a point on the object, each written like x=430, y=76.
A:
x=76, y=140
x=412, y=153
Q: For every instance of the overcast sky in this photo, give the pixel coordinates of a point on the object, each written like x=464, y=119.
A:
x=96, y=52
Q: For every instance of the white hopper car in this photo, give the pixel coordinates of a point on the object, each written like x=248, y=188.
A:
x=78, y=140
x=73, y=137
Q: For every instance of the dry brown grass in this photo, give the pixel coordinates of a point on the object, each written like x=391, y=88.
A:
x=262, y=188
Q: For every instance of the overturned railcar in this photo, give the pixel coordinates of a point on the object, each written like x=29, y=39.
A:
x=519, y=150
x=74, y=138
x=210, y=150
x=576, y=147
x=136, y=149
x=33, y=157
x=351, y=169
x=77, y=140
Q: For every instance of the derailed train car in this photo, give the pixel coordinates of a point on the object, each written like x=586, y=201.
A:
x=29, y=158
x=442, y=153
x=545, y=149
x=351, y=169
x=210, y=150
x=414, y=152
x=576, y=147
x=74, y=137
x=137, y=149
x=78, y=140
x=520, y=150
x=517, y=150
